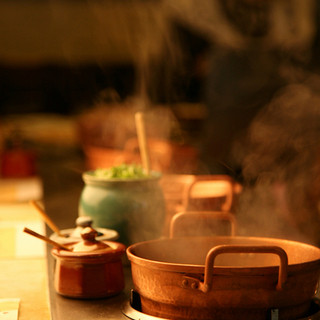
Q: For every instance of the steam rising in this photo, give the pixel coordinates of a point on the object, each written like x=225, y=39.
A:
x=280, y=158
x=281, y=166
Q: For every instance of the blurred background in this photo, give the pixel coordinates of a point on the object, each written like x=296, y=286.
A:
x=228, y=87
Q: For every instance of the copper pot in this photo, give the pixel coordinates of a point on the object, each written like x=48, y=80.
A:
x=224, y=277
x=91, y=269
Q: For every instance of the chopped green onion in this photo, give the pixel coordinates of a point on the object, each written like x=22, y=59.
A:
x=122, y=171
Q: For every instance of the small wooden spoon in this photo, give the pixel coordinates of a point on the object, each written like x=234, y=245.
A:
x=46, y=218
x=46, y=239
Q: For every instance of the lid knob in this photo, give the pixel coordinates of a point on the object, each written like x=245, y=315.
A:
x=89, y=242
x=89, y=234
x=84, y=221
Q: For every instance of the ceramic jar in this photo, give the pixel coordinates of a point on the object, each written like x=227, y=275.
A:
x=135, y=208
x=91, y=269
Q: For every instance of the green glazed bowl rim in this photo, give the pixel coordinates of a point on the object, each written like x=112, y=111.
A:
x=88, y=176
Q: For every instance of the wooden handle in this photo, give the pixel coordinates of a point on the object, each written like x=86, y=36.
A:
x=141, y=132
x=46, y=239
x=46, y=218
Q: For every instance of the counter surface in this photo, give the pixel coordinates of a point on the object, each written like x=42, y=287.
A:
x=23, y=263
x=62, y=182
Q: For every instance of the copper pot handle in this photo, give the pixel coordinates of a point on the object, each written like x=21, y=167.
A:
x=196, y=215
x=205, y=286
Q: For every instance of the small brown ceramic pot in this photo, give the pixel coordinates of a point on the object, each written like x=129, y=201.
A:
x=91, y=269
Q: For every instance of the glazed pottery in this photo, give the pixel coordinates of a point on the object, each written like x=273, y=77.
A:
x=90, y=269
x=74, y=234
x=134, y=207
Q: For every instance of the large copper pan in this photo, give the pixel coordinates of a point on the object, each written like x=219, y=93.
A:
x=225, y=277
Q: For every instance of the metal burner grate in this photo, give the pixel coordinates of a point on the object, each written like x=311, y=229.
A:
x=132, y=310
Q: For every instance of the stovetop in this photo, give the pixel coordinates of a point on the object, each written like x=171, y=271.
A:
x=132, y=310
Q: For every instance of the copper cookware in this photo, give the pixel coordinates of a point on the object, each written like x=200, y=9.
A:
x=90, y=269
x=224, y=277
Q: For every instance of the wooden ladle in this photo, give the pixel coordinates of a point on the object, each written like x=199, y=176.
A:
x=142, y=140
x=46, y=239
